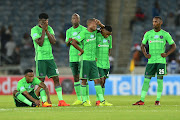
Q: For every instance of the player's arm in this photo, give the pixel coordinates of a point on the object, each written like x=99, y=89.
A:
x=40, y=40
x=75, y=44
x=68, y=43
x=172, y=49
x=51, y=37
x=31, y=98
x=46, y=90
x=143, y=49
x=98, y=22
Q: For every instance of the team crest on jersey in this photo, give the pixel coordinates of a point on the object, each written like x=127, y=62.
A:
x=75, y=33
x=92, y=36
x=156, y=36
x=32, y=86
x=161, y=37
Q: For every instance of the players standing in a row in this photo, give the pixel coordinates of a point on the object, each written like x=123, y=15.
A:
x=89, y=70
x=43, y=36
x=157, y=39
x=72, y=33
x=104, y=46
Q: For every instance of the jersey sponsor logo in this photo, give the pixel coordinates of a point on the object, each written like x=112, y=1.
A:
x=156, y=36
x=156, y=41
x=78, y=37
x=104, y=40
x=90, y=39
x=35, y=34
x=161, y=37
x=103, y=45
x=75, y=33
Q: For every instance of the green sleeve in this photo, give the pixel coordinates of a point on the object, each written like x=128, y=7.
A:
x=169, y=39
x=67, y=35
x=81, y=36
x=36, y=81
x=110, y=47
x=35, y=34
x=51, y=31
x=20, y=87
x=145, y=39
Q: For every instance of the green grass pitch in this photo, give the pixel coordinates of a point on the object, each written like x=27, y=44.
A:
x=122, y=109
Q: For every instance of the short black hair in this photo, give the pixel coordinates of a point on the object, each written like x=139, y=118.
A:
x=43, y=16
x=27, y=71
x=108, y=28
x=158, y=17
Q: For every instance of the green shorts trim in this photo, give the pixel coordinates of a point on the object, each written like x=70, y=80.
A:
x=103, y=72
x=46, y=67
x=75, y=67
x=156, y=68
x=18, y=103
x=89, y=70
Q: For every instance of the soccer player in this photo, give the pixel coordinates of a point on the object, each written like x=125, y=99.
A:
x=89, y=70
x=71, y=33
x=43, y=36
x=104, y=46
x=26, y=96
x=156, y=39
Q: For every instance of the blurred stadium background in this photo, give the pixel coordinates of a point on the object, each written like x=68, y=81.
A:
x=130, y=19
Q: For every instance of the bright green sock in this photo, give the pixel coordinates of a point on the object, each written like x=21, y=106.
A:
x=99, y=92
x=159, y=89
x=43, y=95
x=87, y=91
x=145, y=88
x=77, y=88
x=59, y=92
x=83, y=91
x=23, y=99
x=103, y=89
x=97, y=97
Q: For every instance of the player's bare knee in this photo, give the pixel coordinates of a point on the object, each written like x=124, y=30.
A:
x=84, y=82
x=14, y=92
x=97, y=81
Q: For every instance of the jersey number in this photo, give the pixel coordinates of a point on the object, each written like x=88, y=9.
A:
x=161, y=71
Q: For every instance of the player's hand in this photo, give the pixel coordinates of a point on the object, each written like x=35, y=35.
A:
x=70, y=39
x=81, y=52
x=98, y=22
x=45, y=25
x=148, y=56
x=164, y=55
x=37, y=102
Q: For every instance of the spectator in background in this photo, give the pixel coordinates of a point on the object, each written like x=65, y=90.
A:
x=170, y=20
x=26, y=41
x=9, y=31
x=111, y=60
x=4, y=39
x=177, y=21
x=16, y=56
x=172, y=66
x=139, y=16
x=136, y=55
x=10, y=47
x=156, y=9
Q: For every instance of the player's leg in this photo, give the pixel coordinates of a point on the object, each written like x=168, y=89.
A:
x=52, y=72
x=75, y=67
x=149, y=72
x=161, y=71
x=21, y=101
x=41, y=92
x=97, y=84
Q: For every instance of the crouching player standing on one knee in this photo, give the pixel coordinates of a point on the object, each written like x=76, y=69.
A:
x=104, y=46
x=25, y=95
